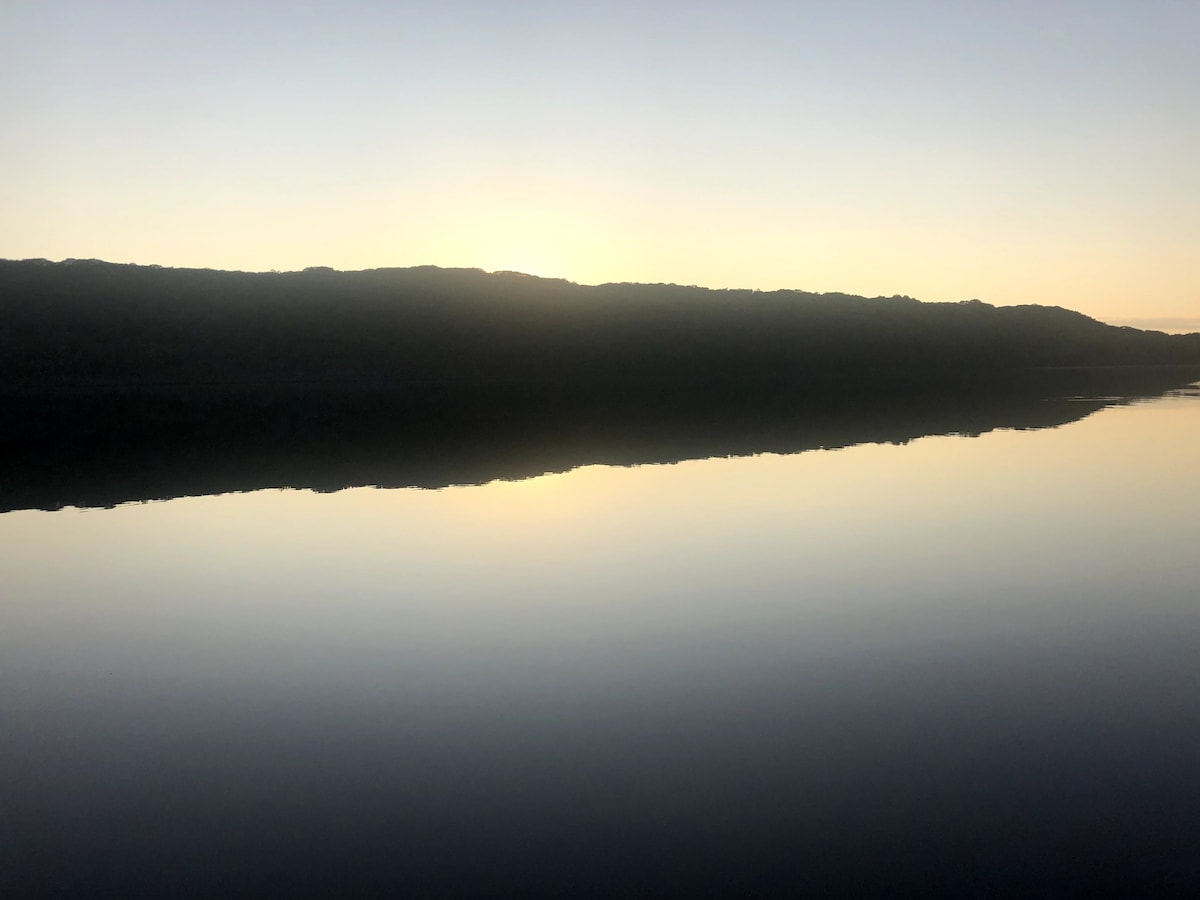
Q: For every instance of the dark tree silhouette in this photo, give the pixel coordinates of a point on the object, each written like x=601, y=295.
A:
x=94, y=324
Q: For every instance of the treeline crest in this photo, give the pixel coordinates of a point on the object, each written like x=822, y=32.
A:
x=93, y=323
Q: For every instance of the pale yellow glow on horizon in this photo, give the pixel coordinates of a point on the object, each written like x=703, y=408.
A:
x=590, y=232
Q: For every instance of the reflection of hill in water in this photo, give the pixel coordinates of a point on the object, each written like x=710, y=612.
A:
x=90, y=450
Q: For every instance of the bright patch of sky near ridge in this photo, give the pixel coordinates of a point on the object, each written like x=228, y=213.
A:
x=1012, y=151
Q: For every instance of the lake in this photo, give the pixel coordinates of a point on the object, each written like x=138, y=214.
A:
x=956, y=666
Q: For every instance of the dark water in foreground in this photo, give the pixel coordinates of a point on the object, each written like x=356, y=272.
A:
x=956, y=667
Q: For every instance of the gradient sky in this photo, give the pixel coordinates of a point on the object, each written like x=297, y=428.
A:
x=1018, y=152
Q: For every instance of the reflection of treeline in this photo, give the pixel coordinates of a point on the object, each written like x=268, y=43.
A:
x=93, y=322
x=79, y=448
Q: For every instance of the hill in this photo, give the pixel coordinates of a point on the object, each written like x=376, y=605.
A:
x=90, y=324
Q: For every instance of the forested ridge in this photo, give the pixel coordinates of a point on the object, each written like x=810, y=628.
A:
x=91, y=323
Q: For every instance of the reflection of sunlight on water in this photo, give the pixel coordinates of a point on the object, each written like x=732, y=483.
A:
x=1192, y=390
x=849, y=617
x=926, y=510
x=563, y=499
x=553, y=499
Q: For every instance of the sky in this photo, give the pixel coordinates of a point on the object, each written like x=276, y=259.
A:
x=1010, y=151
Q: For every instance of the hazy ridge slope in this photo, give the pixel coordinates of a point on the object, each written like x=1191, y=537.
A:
x=96, y=323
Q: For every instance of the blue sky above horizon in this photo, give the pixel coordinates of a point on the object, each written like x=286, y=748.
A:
x=1014, y=151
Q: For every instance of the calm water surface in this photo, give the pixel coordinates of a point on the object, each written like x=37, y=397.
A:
x=960, y=667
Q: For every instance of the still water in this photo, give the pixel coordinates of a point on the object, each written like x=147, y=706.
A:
x=962, y=666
